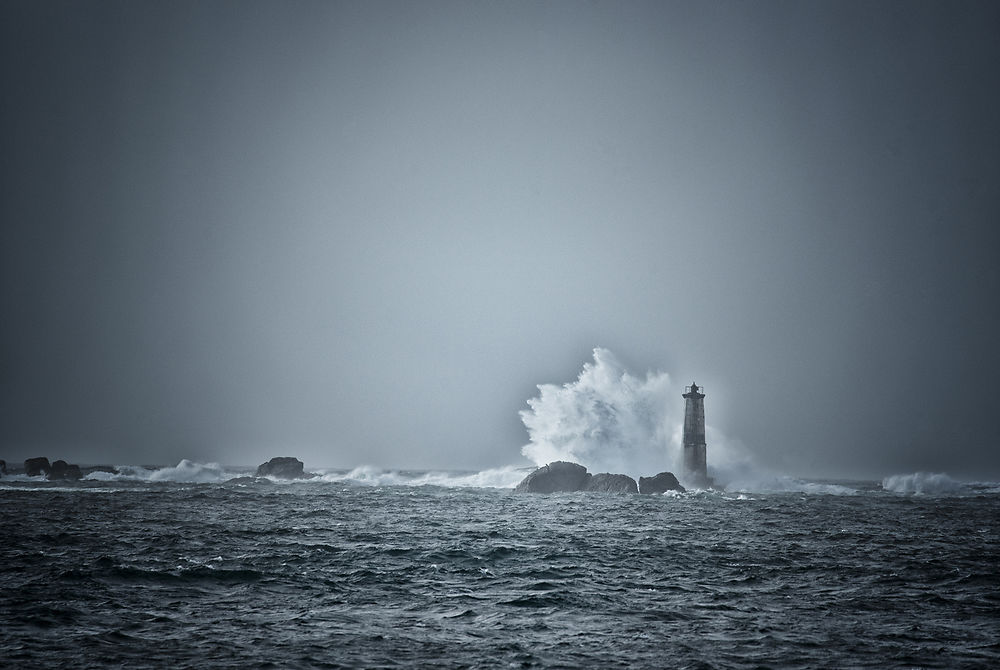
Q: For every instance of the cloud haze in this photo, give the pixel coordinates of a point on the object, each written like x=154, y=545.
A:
x=362, y=233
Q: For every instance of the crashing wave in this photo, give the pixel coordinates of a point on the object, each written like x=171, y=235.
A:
x=766, y=483
x=923, y=483
x=608, y=420
x=192, y=472
x=184, y=472
x=506, y=477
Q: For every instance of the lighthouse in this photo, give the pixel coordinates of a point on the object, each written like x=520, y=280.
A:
x=694, y=436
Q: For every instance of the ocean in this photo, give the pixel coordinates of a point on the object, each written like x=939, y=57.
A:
x=373, y=569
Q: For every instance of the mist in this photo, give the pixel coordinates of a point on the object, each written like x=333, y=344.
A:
x=365, y=233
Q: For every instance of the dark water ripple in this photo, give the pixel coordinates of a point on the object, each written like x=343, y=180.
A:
x=322, y=575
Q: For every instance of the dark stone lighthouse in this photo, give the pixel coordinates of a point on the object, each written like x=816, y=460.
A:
x=694, y=436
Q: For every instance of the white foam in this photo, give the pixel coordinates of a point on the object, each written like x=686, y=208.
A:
x=499, y=478
x=753, y=480
x=185, y=471
x=923, y=483
x=366, y=475
x=125, y=473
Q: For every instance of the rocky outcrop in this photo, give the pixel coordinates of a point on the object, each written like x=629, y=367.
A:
x=57, y=470
x=37, y=466
x=661, y=483
x=565, y=477
x=606, y=482
x=283, y=467
x=63, y=470
x=3, y=467
x=560, y=476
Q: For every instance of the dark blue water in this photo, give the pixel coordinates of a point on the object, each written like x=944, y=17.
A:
x=328, y=574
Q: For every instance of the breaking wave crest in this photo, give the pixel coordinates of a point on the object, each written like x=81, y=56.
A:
x=184, y=472
x=759, y=483
x=187, y=471
x=506, y=477
x=923, y=483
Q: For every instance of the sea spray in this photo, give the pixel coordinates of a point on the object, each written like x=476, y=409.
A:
x=505, y=477
x=922, y=483
x=186, y=471
x=608, y=420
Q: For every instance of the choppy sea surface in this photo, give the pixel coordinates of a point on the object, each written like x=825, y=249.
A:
x=369, y=569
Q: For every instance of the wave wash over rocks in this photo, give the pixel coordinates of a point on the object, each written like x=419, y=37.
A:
x=610, y=420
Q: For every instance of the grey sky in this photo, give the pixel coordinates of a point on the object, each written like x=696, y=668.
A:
x=363, y=232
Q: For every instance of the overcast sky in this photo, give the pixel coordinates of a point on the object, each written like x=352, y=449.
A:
x=362, y=233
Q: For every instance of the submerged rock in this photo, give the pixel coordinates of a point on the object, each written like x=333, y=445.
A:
x=661, y=483
x=64, y=470
x=605, y=482
x=560, y=476
x=36, y=466
x=249, y=480
x=283, y=467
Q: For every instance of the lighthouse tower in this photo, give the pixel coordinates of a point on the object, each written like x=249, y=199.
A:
x=694, y=436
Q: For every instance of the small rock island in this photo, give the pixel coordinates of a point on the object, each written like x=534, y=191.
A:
x=279, y=467
x=58, y=470
x=283, y=467
x=566, y=477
